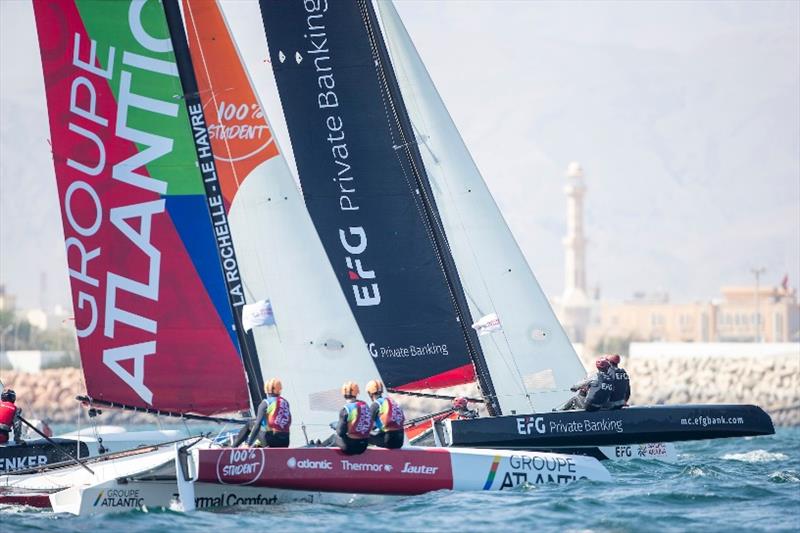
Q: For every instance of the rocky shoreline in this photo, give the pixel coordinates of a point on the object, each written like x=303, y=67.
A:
x=772, y=383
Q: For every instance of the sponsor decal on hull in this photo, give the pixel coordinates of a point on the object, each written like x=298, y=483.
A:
x=532, y=425
x=517, y=470
x=115, y=498
x=325, y=469
x=240, y=466
x=8, y=464
x=231, y=499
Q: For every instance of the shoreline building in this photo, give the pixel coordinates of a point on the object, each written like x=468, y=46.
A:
x=743, y=314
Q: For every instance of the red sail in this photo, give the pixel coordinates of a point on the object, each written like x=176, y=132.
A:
x=151, y=309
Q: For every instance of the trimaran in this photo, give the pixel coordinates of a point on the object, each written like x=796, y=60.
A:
x=151, y=219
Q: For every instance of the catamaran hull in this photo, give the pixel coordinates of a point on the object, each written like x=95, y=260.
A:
x=407, y=471
x=630, y=426
x=39, y=453
x=36, y=454
x=661, y=451
x=114, y=496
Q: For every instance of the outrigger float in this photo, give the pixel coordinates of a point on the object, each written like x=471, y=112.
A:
x=640, y=432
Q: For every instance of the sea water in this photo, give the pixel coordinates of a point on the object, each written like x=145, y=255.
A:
x=746, y=484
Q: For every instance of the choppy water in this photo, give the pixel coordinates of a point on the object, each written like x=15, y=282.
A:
x=725, y=485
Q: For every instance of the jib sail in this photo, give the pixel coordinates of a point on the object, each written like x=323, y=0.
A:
x=152, y=310
x=530, y=358
x=364, y=195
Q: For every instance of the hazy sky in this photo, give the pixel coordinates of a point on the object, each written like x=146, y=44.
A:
x=685, y=116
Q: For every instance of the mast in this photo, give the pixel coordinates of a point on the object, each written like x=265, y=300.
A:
x=216, y=210
x=431, y=216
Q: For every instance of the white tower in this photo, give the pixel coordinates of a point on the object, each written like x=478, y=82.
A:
x=574, y=302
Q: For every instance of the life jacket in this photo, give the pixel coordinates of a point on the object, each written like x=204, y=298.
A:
x=7, y=413
x=359, y=421
x=390, y=415
x=599, y=390
x=621, y=384
x=279, y=416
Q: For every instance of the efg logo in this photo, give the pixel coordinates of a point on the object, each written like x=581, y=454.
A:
x=526, y=425
x=369, y=294
x=308, y=464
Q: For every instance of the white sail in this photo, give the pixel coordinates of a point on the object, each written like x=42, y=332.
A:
x=531, y=360
x=311, y=342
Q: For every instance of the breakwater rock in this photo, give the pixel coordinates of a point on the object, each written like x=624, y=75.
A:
x=50, y=395
x=772, y=383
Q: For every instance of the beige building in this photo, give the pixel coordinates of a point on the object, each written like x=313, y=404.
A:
x=739, y=316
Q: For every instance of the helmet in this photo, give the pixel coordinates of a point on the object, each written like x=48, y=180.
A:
x=459, y=403
x=8, y=396
x=273, y=386
x=602, y=364
x=374, y=387
x=350, y=389
x=614, y=359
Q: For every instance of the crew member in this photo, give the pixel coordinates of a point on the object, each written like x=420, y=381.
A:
x=582, y=388
x=461, y=408
x=622, y=385
x=10, y=417
x=387, y=418
x=355, y=423
x=273, y=419
x=600, y=387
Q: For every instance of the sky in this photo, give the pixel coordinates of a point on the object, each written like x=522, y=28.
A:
x=684, y=115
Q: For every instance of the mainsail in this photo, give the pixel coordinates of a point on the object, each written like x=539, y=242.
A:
x=312, y=341
x=152, y=311
x=363, y=189
x=530, y=358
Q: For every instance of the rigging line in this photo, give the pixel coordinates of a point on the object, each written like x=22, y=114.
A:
x=423, y=418
x=413, y=186
x=404, y=143
x=445, y=187
x=430, y=215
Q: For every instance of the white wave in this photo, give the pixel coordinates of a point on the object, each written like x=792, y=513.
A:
x=785, y=476
x=696, y=471
x=756, y=456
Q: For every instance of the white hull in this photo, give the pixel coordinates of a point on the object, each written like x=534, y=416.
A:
x=86, y=443
x=173, y=479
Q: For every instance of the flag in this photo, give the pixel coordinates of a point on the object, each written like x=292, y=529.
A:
x=257, y=314
x=785, y=283
x=487, y=324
